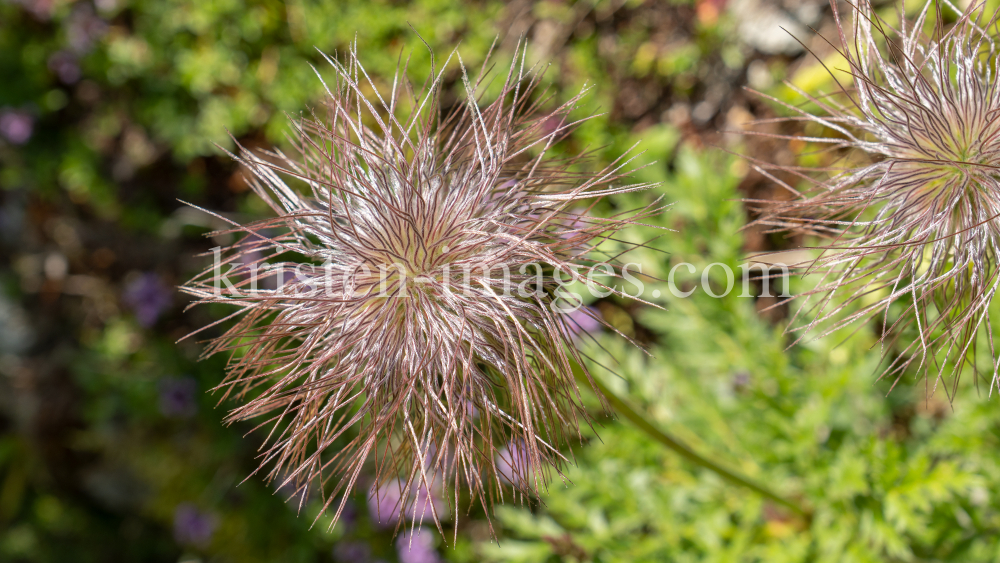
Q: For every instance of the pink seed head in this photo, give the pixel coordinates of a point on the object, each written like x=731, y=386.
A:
x=399, y=342
x=912, y=207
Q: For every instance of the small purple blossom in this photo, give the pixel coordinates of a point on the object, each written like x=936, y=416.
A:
x=349, y=513
x=64, y=65
x=296, y=493
x=41, y=9
x=178, y=397
x=553, y=124
x=193, y=526
x=586, y=319
x=16, y=126
x=352, y=552
x=84, y=28
x=511, y=462
x=386, y=502
x=417, y=546
x=148, y=297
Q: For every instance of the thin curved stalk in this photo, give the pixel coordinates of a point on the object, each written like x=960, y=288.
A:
x=685, y=451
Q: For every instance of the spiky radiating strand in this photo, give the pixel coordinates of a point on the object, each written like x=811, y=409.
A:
x=400, y=347
x=915, y=214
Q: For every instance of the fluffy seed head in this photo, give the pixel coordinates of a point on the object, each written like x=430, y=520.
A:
x=914, y=210
x=411, y=321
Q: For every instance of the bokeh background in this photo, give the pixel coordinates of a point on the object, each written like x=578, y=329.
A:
x=112, y=449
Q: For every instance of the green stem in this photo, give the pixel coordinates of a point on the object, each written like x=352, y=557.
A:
x=689, y=454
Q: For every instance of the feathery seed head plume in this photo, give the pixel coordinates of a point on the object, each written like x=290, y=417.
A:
x=914, y=214
x=411, y=324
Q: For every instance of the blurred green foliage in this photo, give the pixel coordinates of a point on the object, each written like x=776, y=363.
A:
x=126, y=100
x=895, y=478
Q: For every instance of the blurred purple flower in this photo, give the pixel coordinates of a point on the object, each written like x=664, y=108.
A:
x=416, y=546
x=585, y=319
x=511, y=462
x=84, y=28
x=64, y=65
x=16, y=126
x=294, y=492
x=385, y=505
x=552, y=124
x=177, y=397
x=148, y=297
x=580, y=224
x=352, y=552
x=41, y=9
x=193, y=526
x=349, y=516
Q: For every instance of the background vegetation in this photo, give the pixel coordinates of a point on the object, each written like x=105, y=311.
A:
x=111, y=449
